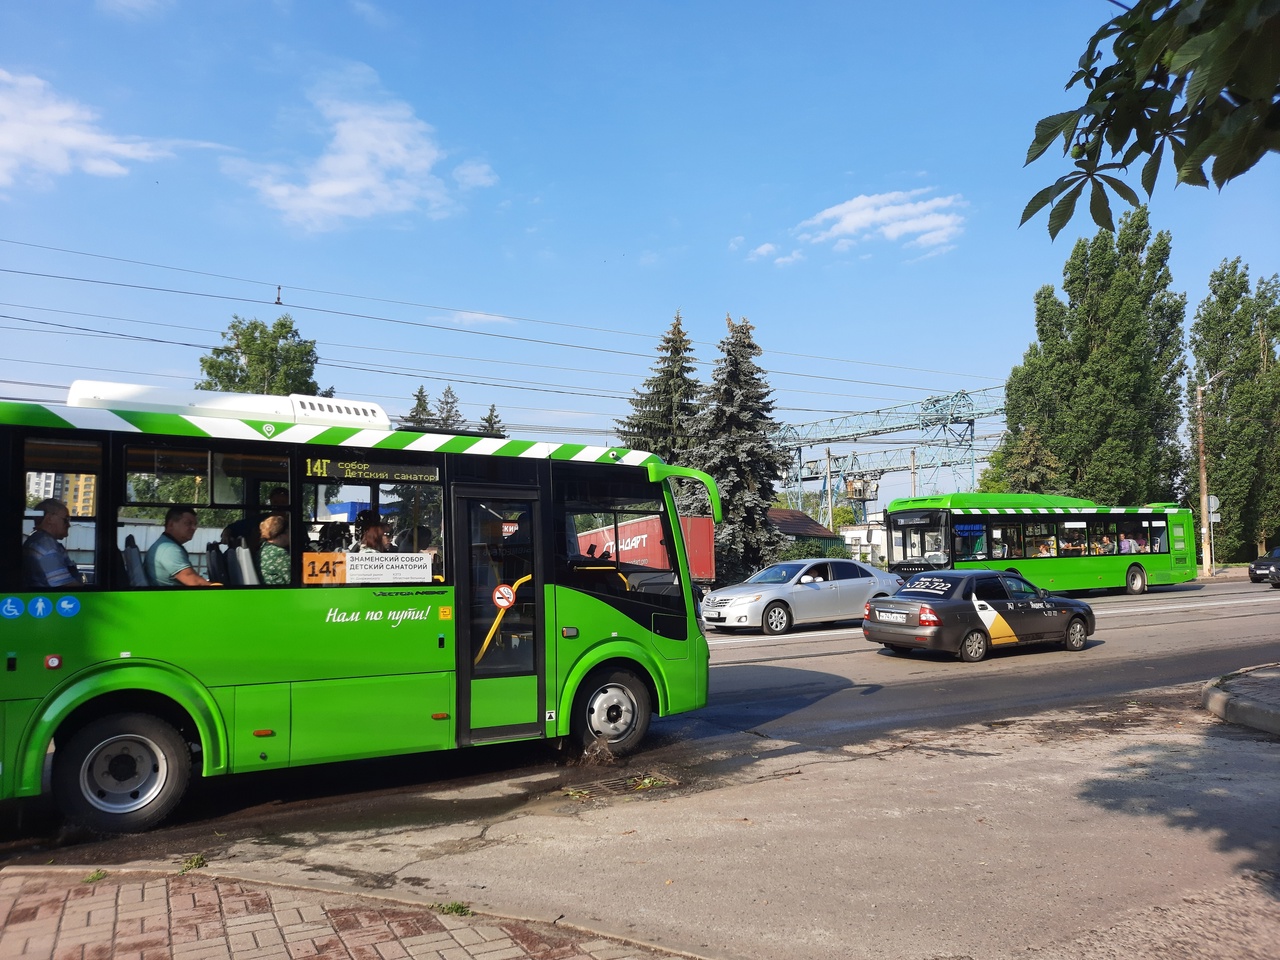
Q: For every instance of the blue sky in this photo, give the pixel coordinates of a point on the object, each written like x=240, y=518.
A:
x=516, y=198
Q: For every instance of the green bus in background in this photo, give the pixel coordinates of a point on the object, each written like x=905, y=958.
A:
x=442, y=591
x=1058, y=543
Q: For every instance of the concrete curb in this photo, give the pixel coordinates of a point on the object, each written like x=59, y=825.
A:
x=1249, y=697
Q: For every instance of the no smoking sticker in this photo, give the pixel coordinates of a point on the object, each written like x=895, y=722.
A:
x=503, y=596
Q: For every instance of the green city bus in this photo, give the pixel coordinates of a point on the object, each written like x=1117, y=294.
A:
x=1058, y=543
x=497, y=616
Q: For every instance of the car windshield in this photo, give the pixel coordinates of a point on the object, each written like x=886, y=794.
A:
x=930, y=585
x=778, y=573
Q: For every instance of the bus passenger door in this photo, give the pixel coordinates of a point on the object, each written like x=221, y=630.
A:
x=501, y=646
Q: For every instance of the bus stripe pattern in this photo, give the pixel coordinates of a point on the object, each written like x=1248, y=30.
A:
x=133, y=421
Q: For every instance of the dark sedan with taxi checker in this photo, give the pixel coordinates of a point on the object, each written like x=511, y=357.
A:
x=968, y=612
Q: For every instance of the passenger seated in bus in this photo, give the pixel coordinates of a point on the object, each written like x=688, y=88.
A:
x=417, y=540
x=1045, y=549
x=1107, y=546
x=167, y=563
x=1073, y=546
x=372, y=530
x=1127, y=545
x=45, y=562
x=273, y=560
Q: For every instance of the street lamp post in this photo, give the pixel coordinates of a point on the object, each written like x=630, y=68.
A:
x=1206, y=548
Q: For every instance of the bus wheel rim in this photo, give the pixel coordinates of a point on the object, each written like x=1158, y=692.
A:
x=611, y=712
x=123, y=774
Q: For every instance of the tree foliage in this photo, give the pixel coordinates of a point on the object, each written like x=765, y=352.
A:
x=1024, y=464
x=260, y=359
x=1095, y=408
x=1234, y=345
x=420, y=415
x=448, y=414
x=491, y=422
x=1198, y=78
x=803, y=549
x=664, y=406
x=733, y=442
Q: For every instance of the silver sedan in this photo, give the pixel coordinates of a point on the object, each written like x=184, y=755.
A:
x=798, y=591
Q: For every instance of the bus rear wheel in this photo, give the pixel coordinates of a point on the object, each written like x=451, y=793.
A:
x=612, y=707
x=122, y=773
x=1135, y=581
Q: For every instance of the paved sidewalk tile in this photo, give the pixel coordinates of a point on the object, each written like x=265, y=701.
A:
x=126, y=915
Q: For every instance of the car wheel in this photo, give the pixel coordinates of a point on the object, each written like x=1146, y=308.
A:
x=611, y=706
x=1275, y=583
x=122, y=773
x=1076, y=636
x=776, y=619
x=897, y=649
x=1135, y=581
x=974, y=646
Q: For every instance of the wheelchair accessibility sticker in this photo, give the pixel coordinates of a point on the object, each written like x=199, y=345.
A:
x=38, y=607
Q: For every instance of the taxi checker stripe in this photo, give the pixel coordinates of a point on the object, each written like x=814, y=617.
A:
x=135, y=421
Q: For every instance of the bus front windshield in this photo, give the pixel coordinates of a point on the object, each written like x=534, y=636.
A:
x=919, y=535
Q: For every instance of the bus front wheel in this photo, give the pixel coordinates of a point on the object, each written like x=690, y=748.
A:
x=1135, y=580
x=613, y=707
x=122, y=773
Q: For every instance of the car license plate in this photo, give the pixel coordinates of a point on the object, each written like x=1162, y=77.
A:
x=889, y=616
x=715, y=617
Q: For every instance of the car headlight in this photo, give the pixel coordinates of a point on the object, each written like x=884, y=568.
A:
x=736, y=601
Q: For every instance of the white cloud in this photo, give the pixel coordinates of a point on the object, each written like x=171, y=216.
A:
x=904, y=215
x=736, y=243
x=763, y=251
x=370, y=13
x=43, y=135
x=133, y=9
x=474, y=173
x=378, y=160
x=795, y=256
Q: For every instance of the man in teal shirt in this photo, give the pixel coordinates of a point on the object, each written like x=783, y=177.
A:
x=167, y=563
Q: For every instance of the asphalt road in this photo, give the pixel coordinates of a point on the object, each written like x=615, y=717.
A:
x=821, y=685
x=836, y=801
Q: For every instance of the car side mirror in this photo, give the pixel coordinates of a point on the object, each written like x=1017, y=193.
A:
x=806, y=579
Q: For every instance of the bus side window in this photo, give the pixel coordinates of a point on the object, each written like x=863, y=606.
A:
x=66, y=470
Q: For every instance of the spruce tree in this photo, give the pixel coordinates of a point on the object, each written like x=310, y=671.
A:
x=1101, y=386
x=492, y=423
x=1234, y=342
x=733, y=442
x=448, y=416
x=663, y=408
x=420, y=416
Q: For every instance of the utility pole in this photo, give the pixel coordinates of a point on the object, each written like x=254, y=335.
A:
x=830, y=512
x=1206, y=547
